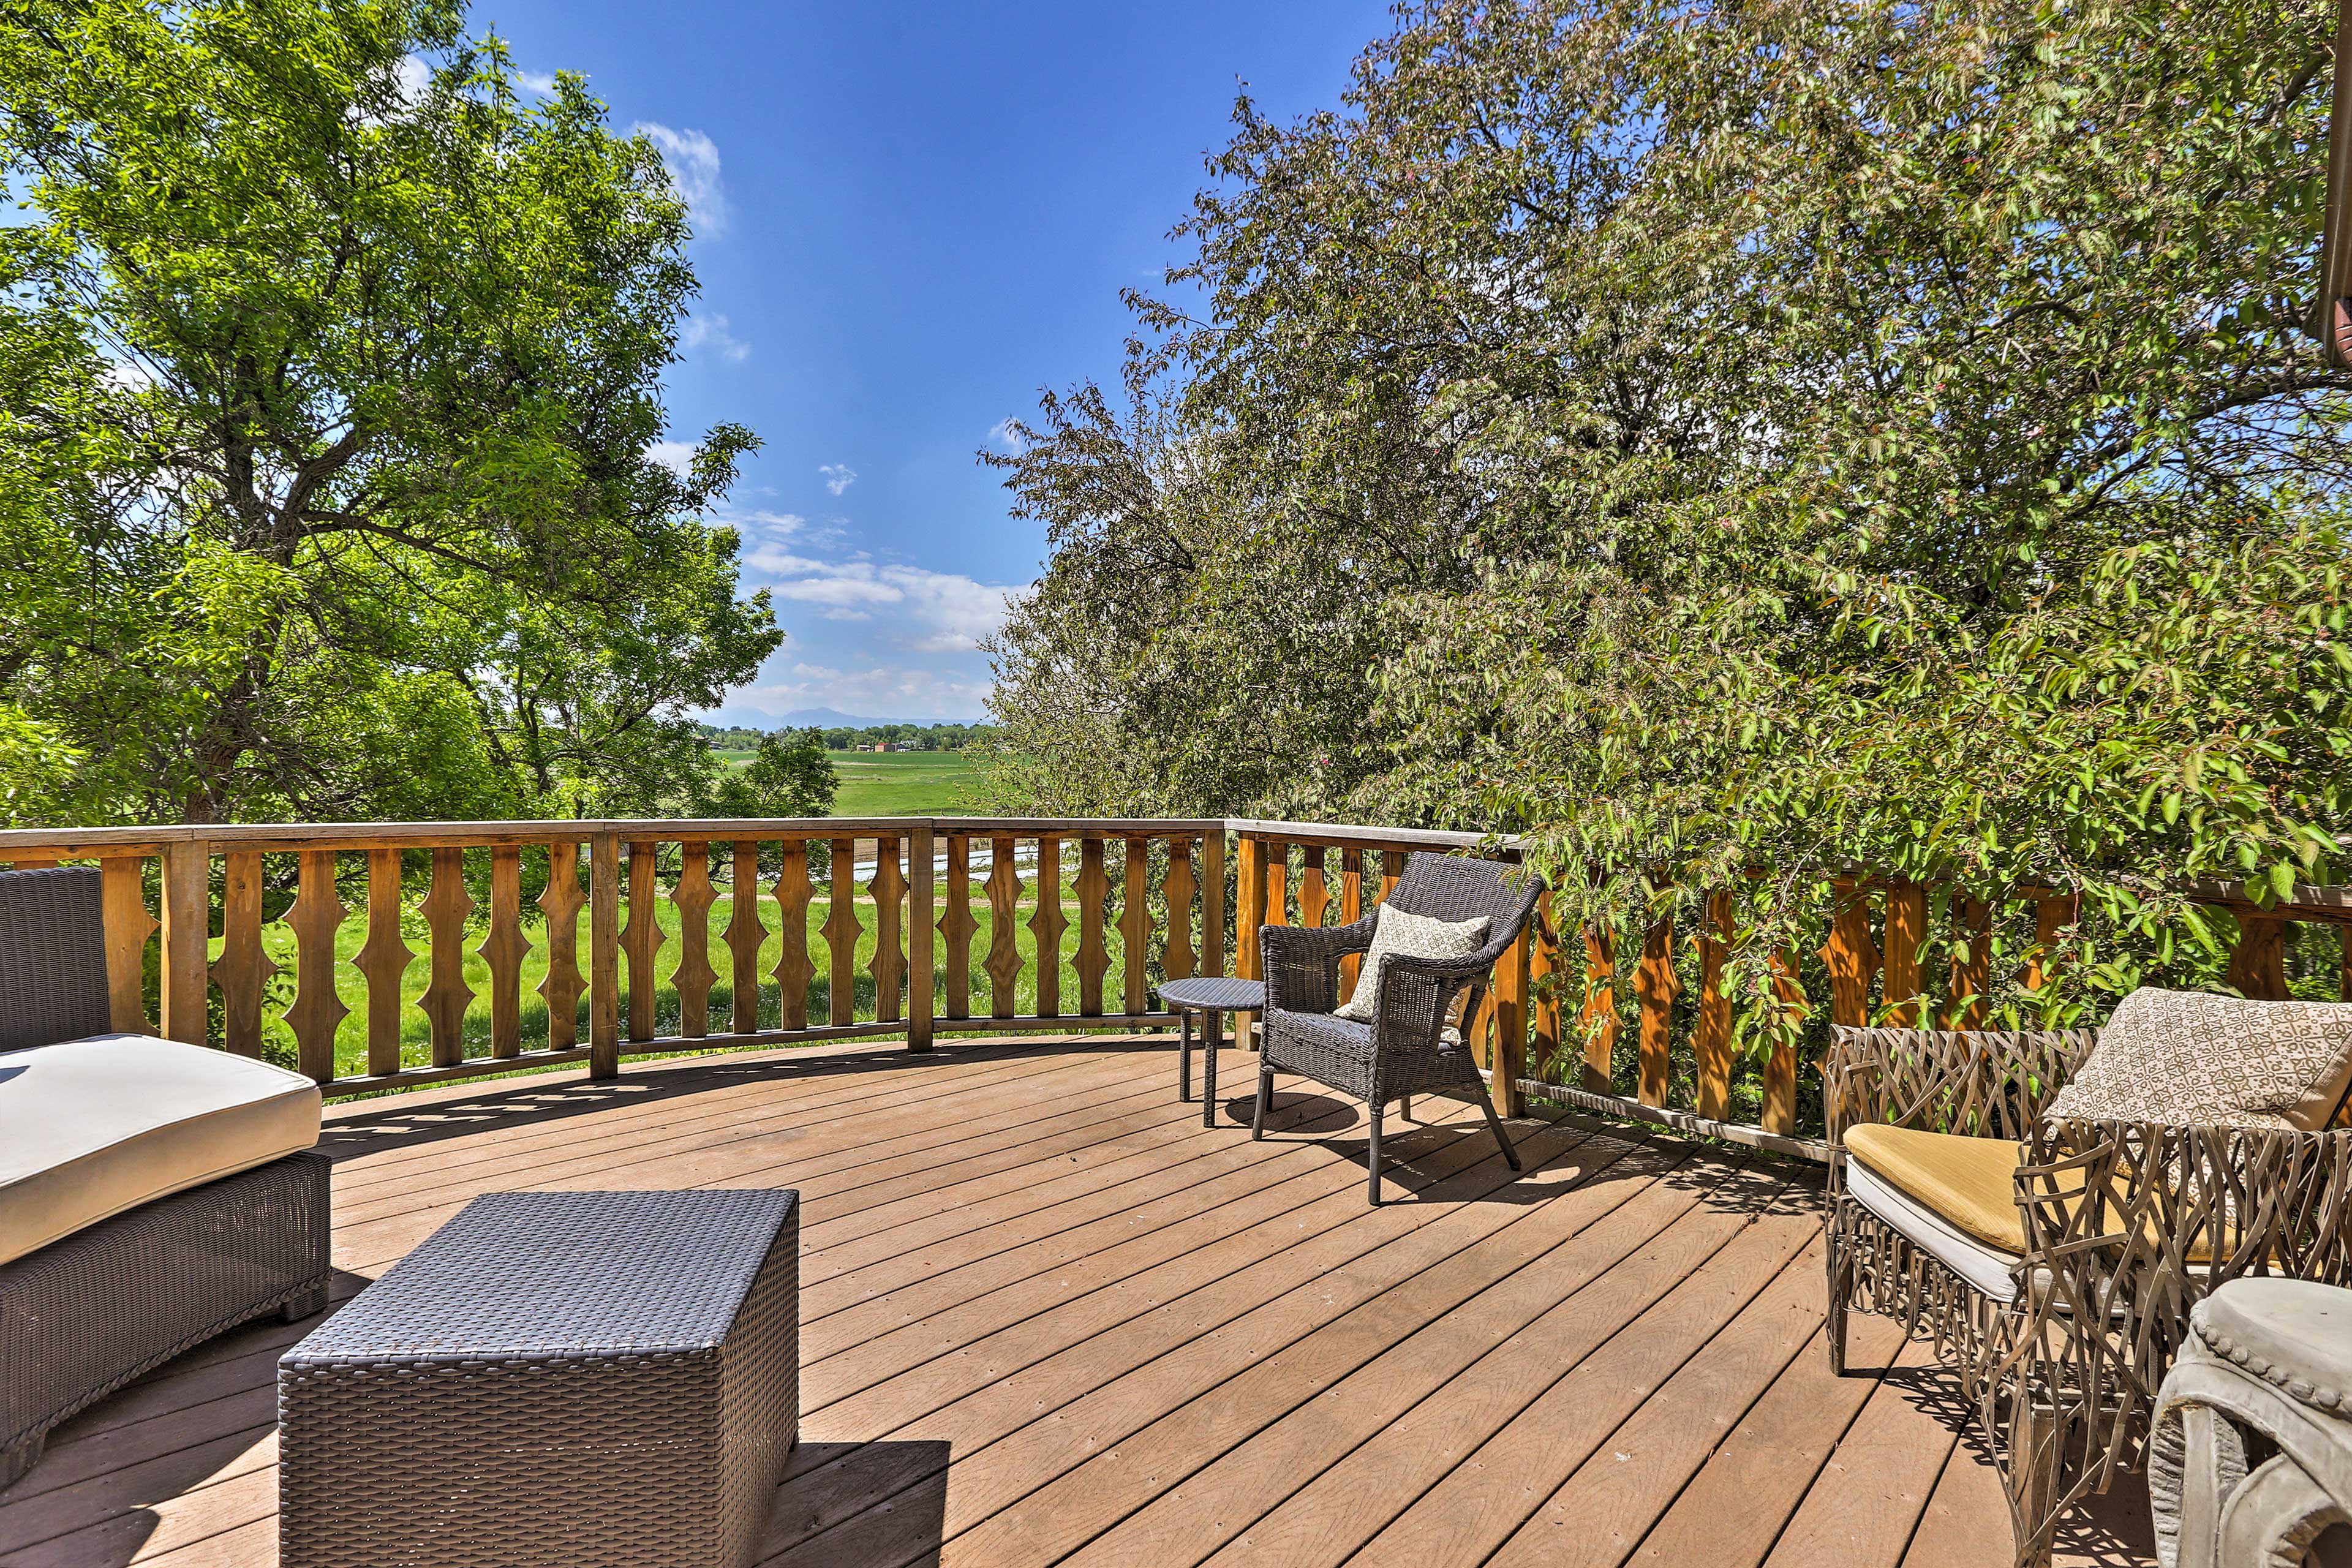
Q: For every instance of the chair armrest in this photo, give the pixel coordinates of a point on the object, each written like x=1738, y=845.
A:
x=1981, y=1083
x=2129, y=1225
x=1301, y=963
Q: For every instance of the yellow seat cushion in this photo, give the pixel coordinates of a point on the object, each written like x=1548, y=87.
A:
x=1970, y=1181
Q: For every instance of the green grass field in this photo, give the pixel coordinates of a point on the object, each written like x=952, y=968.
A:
x=895, y=784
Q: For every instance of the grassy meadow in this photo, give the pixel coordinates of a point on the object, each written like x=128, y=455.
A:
x=895, y=784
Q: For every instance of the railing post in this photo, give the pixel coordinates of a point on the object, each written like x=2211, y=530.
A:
x=1253, y=915
x=187, y=920
x=604, y=956
x=922, y=934
x=1510, y=1061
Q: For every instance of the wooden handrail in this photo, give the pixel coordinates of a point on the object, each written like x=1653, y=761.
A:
x=936, y=928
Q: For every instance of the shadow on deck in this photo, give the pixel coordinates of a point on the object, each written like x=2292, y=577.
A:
x=1047, y=1316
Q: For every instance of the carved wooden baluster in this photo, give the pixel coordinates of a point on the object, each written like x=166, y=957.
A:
x=384, y=959
x=1711, y=1040
x=317, y=1010
x=1003, y=961
x=1510, y=1012
x=1177, y=889
x=1094, y=958
x=1543, y=963
x=1351, y=910
x=744, y=935
x=957, y=924
x=503, y=950
x=2258, y=961
x=1850, y=956
x=561, y=902
x=889, y=963
x=1314, y=891
x=1278, y=883
x=1212, y=901
x=793, y=968
x=122, y=898
x=1135, y=924
x=446, y=905
x=1907, y=930
x=1971, y=963
x=1653, y=993
x=692, y=897
x=641, y=939
x=1780, y=1067
x=2051, y=916
x=1047, y=925
x=1391, y=869
x=1599, y=1022
x=842, y=930
x=1249, y=955
x=242, y=969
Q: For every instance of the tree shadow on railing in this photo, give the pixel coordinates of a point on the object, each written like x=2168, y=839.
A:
x=396, y=1121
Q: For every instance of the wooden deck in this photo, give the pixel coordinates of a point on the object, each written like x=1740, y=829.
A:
x=1048, y=1318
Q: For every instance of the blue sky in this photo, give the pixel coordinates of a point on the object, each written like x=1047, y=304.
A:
x=909, y=218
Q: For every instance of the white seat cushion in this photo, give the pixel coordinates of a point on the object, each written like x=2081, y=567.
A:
x=90, y=1128
x=1985, y=1267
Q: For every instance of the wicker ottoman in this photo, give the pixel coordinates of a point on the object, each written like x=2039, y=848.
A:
x=573, y=1378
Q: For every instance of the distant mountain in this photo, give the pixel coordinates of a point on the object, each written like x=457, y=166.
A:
x=824, y=718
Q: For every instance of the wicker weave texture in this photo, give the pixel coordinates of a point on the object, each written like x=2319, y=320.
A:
x=1404, y=1052
x=2127, y=1227
x=561, y=1378
x=85, y=1315
x=53, y=962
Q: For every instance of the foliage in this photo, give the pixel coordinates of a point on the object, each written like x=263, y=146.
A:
x=787, y=776
x=328, y=363
x=1795, y=434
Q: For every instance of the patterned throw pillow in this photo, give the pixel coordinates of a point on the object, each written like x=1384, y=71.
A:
x=1416, y=936
x=2188, y=1059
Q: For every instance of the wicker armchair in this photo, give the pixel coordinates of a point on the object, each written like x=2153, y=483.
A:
x=2062, y=1345
x=1411, y=1050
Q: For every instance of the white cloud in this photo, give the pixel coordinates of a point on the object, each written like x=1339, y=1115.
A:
x=692, y=160
x=928, y=612
x=1004, y=437
x=838, y=477
x=677, y=456
x=414, y=77
x=711, y=333
x=541, y=83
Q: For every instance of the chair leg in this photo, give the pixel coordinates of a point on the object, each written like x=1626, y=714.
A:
x=1185, y=1057
x=1841, y=1272
x=1373, y=1155
x=1265, y=1094
x=1502, y=1137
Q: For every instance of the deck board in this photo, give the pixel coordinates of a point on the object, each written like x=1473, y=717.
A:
x=1049, y=1317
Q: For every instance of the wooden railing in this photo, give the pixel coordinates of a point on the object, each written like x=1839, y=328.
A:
x=1896, y=952
x=306, y=943
x=374, y=956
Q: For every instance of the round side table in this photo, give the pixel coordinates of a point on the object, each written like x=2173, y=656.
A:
x=1211, y=996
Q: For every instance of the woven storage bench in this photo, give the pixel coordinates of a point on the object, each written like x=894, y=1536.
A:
x=575, y=1378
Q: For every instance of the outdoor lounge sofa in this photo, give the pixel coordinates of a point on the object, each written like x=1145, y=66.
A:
x=152, y=1194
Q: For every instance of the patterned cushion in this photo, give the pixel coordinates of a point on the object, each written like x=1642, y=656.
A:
x=2188, y=1059
x=1416, y=936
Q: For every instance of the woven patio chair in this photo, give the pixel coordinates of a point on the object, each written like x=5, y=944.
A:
x=1409, y=1049
x=2062, y=1336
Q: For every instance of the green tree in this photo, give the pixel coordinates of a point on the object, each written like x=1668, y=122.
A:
x=329, y=386
x=789, y=775
x=1713, y=435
